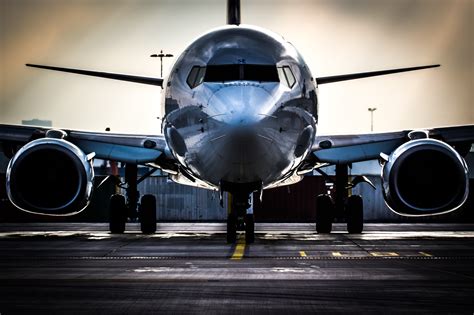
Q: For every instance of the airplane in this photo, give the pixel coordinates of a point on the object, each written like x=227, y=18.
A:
x=241, y=116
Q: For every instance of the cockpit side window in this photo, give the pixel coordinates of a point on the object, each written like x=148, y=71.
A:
x=200, y=76
x=286, y=76
x=196, y=76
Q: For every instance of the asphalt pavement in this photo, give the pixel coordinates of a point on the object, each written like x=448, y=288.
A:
x=187, y=268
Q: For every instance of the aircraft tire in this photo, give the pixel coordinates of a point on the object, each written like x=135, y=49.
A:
x=249, y=228
x=355, y=214
x=324, y=214
x=148, y=214
x=117, y=214
x=231, y=228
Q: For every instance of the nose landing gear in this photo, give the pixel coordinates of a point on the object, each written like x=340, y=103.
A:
x=239, y=220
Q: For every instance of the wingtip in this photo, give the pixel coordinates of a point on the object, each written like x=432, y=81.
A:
x=428, y=66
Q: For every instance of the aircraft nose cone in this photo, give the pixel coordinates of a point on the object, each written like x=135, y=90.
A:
x=242, y=133
x=242, y=109
x=240, y=104
x=244, y=138
x=244, y=152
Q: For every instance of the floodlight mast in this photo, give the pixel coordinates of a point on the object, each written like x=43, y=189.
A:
x=161, y=55
x=372, y=110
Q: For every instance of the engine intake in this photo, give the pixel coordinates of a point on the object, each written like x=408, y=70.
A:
x=425, y=177
x=50, y=176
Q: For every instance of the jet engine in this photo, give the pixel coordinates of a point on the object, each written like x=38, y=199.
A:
x=50, y=176
x=424, y=177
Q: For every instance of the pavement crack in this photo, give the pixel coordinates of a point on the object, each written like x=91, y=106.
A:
x=114, y=250
x=356, y=244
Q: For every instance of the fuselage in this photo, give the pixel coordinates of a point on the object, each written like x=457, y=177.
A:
x=241, y=107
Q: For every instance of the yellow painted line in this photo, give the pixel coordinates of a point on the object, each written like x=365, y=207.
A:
x=302, y=253
x=239, y=249
x=336, y=254
x=384, y=254
x=426, y=254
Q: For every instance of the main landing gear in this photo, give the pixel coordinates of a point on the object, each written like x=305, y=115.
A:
x=122, y=207
x=344, y=206
x=239, y=219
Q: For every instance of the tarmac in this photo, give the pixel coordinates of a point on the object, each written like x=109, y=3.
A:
x=187, y=268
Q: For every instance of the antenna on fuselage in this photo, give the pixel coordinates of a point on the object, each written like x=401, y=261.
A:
x=233, y=12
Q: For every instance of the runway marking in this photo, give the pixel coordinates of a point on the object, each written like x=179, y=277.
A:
x=302, y=253
x=426, y=254
x=311, y=257
x=384, y=254
x=336, y=254
x=239, y=249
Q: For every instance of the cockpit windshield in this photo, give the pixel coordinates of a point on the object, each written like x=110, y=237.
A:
x=240, y=72
x=232, y=72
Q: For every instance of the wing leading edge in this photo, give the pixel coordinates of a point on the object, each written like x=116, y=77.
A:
x=106, y=75
x=361, y=75
x=137, y=149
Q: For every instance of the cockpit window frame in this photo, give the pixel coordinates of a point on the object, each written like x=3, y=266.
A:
x=288, y=76
x=262, y=73
x=195, y=76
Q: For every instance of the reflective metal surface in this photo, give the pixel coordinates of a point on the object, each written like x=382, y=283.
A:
x=240, y=131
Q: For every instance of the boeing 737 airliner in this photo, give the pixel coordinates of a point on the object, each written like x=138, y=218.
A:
x=241, y=116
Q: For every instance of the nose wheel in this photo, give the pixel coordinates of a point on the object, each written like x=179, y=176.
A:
x=246, y=223
x=239, y=220
x=231, y=228
x=249, y=228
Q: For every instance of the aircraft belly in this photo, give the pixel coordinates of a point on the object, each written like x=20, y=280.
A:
x=251, y=158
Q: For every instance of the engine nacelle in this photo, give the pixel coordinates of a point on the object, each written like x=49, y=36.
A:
x=425, y=177
x=50, y=176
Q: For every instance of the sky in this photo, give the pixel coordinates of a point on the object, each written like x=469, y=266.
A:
x=334, y=36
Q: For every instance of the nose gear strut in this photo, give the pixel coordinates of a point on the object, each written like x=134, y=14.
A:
x=238, y=219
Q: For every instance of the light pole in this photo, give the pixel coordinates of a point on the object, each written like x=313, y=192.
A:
x=372, y=110
x=161, y=55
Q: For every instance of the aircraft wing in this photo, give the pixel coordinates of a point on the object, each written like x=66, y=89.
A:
x=137, y=149
x=105, y=75
x=343, y=149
